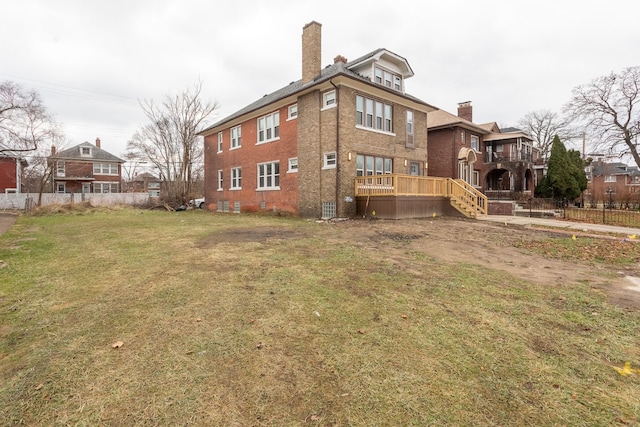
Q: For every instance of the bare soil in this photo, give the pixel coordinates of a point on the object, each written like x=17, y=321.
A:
x=451, y=240
x=6, y=221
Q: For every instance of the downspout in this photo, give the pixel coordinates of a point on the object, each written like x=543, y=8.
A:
x=337, y=147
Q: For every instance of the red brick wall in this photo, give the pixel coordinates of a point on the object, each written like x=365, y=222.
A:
x=245, y=157
x=7, y=173
x=444, y=145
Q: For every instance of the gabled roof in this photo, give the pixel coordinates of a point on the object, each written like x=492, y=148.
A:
x=327, y=73
x=74, y=153
x=145, y=176
x=615, y=168
x=378, y=54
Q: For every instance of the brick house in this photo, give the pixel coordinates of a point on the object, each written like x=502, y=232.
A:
x=299, y=149
x=144, y=182
x=498, y=162
x=12, y=166
x=86, y=168
x=613, y=182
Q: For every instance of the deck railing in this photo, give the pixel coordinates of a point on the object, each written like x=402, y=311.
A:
x=409, y=185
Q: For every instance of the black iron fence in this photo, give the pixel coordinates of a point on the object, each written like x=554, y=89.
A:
x=605, y=213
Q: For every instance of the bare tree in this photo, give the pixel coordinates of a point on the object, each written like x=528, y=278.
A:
x=24, y=121
x=38, y=174
x=170, y=141
x=610, y=111
x=543, y=126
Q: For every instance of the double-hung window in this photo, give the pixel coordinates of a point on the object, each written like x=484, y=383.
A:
x=219, y=142
x=374, y=114
x=329, y=99
x=236, y=137
x=330, y=160
x=269, y=176
x=387, y=78
x=220, y=179
x=475, y=142
x=371, y=165
x=293, y=111
x=236, y=178
x=269, y=127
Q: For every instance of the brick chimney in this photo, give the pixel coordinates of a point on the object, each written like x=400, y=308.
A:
x=339, y=58
x=98, y=142
x=53, y=150
x=311, y=51
x=465, y=111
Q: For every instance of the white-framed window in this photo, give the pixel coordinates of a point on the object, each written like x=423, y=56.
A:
x=236, y=178
x=292, y=112
x=409, y=142
x=387, y=78
x=609, y=178
x=475, y=178
x=293, y=165
x=220, y=179
x=236, y=137
x=329, y=99
x=269, y=176
x=60, y=168
x=330, y=160
x=61, y=187
x=105, y=187
x=374, y=114
x=85, y=151
x=475, y=143
x=219, y=142
x=269, y=127
x=372, y=165
x=105, y=169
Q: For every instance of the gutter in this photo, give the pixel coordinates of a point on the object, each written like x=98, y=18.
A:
x=337, y=147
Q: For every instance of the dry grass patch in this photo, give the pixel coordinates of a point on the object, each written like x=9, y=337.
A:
x=247, y=320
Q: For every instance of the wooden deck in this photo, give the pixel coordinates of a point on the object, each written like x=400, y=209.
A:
x=416, y=191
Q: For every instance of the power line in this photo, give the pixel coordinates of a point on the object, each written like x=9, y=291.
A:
x=77, y=92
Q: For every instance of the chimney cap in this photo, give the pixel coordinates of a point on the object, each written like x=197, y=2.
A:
x=464, y=104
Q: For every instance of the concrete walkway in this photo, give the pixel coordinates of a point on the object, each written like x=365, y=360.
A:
x=558, y=223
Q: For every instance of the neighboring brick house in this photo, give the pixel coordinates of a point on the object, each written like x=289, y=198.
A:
x=86, y=168
x=495, y=161
x=12, y=166
x=300, y=148
x=612, y=182
x=144, y=182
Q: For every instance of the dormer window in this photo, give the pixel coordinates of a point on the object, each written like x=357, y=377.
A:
x=85, y=151
x=387, y=78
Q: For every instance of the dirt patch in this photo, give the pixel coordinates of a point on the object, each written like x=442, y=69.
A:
x=451, y=240
x=6, y=221
x=245, y=235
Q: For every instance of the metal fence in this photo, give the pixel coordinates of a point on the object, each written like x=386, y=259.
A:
x=605, y=213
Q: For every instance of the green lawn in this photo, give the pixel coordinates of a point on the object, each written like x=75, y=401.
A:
x=302, y=327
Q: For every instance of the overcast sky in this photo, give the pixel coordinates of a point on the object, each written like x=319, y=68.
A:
x=92, y=60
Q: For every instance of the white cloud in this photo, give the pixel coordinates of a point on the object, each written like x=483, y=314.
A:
x=92, y=61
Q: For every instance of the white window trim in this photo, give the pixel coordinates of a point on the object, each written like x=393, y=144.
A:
x=292, y=107
x=383, y=132
x=220, y=142
x=610, y=178
x=326, y=164
x=325, y=95
x=101, y=172
x=477, y=138
x=273, y=128
x=273, y=187
x=289, y=169
x=239, y=187
x=220, y=179
x=238, y=139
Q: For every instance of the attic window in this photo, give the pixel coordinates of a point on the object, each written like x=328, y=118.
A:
x=387, y=78
x=85, y=151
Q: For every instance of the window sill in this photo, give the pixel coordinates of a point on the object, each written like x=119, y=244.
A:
x=267, y=141
x=268, y=189
x=383, y=132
